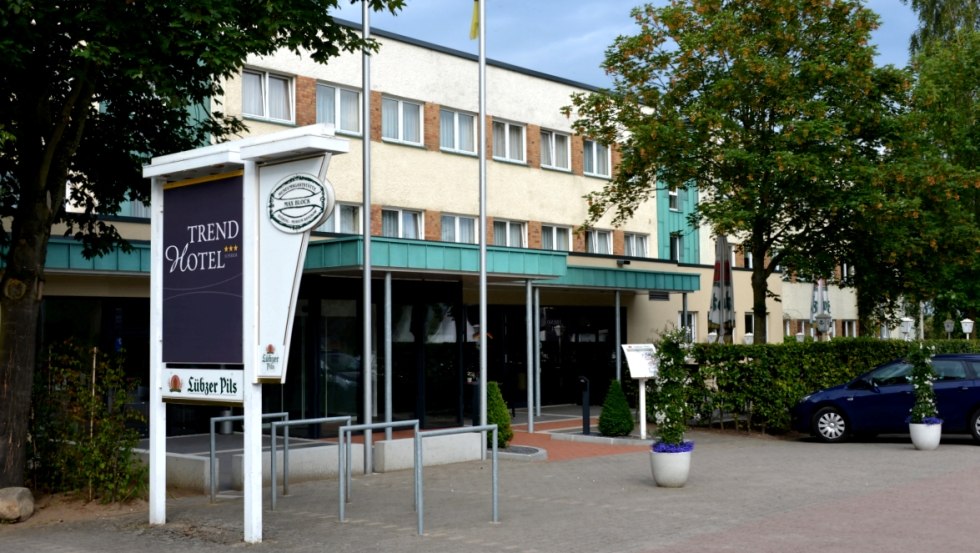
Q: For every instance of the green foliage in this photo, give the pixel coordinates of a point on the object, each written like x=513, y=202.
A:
x=924, y=407
x=773, y=109
x=497, y=413
x=756, y=385
x=671, y=407
x=616, y=419
x=81, y=434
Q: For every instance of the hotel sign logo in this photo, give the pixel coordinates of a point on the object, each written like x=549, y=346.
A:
x=299, y=202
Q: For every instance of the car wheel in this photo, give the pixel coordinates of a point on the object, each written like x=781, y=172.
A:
x=975, y=425
x=829, y=425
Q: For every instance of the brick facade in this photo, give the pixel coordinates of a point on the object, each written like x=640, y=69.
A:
x=534, y=146
x=534, y=234
x=431, y=126
x=305, y=101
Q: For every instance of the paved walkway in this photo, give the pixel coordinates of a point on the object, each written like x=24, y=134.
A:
x=746, y=493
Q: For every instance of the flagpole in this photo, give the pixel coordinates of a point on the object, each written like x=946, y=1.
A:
x=482, y=147
x=366, y=229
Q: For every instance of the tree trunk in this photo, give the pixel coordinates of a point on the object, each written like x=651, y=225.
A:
x=19, y=308
x=21, y=289
x=760, y=286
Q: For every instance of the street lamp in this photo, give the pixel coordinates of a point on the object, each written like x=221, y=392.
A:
x=949, y=325
x=712, y=337
x=747, y=339
x=823, y=321
x=967, y=326
x=906, y=327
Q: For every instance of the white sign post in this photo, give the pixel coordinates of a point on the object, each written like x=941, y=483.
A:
x=642, y=362
x=226, y=267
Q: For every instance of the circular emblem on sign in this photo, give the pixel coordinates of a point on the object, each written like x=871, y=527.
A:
x=300, y=202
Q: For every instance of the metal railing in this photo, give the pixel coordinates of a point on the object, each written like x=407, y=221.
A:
x=344, y=458
x=419, y=505
x=285, y=452
x=213, y=456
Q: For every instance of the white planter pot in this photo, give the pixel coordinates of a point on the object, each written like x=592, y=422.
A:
x=670, y=470
x=925, y=436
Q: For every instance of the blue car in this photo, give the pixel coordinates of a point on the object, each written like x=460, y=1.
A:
x=880, y=401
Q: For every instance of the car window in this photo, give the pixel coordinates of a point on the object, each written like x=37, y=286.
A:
x=948, y=369
x=891, y=374
x=974, y=368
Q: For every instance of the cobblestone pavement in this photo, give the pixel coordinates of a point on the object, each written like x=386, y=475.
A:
x=746, y=493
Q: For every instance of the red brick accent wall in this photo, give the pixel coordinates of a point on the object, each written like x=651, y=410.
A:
x=433, y=224
x=534, y=146
x=578, y=241
x=489, y=230
x=375, y=220
x=534, y=234
x=616, y=159
x=305, y=101
x=431, y=126
x=618, y=242
x=375, y=124
x=578, y=156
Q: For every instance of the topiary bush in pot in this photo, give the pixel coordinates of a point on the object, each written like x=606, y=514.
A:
x=616, y=418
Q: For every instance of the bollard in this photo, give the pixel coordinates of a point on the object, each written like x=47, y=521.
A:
x=586, y=423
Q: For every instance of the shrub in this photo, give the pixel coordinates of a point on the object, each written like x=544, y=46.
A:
x=80, y=437
x=671, y=410
x=497, y=413
x=924, y=409
x=616, y=418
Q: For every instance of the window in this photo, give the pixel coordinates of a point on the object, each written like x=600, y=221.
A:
x=508, y=233
x=400, y=223
x=748, y=259
x=635, y=244
x=457, y=131
x=749, y=322
x=401, y=121
x=554, y=150
x=673, y=200
x=596, y=159
x=676, y=245
x=345, y=219
x=267, y=95
x=598, y=241
x=457, y=228
x=556, y=238
x=508, y=141
x=339, y=106
x=691, y=324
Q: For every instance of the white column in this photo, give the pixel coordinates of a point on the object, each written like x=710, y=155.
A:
x=158, y=409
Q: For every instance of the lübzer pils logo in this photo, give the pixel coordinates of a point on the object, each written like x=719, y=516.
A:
x=175, y=383
x=299, y=202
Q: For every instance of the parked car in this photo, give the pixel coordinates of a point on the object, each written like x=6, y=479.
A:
x=880, y=401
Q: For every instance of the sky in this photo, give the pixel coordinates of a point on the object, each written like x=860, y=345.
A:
x=568, y=38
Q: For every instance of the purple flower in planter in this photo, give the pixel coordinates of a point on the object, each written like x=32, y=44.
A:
x=927, y=420
x=663, y=447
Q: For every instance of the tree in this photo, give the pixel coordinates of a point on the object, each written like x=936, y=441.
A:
x=93, y=91
x=616, y=418
x=915, y=242
x=773, y=109
x=941, y=19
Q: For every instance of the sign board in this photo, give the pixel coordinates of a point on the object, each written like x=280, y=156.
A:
x=202, y=271
x=642, y=360
x=205, y=385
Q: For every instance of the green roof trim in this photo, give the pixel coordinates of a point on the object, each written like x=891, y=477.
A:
x=438, y=257
x=65, y=254
x=626, y=279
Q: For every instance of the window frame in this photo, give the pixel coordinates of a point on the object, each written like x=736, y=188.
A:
x=550, y=143
x=554, y=230
x=629, y=251
x=455, y=148
x=456, y=220
x=592, y=236
x=337, y=221
x=265, y=77
x=338, y=92
x=676, y=247
x=509, y=222
x=673, y=200
x=507, y=142
x=594, y=147
x=400, y=139
x=692, y=325
x=419, y=222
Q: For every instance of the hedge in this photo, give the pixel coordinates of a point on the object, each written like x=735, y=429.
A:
x=755, y=386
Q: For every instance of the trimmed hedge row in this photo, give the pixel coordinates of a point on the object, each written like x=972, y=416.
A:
x=755, y=386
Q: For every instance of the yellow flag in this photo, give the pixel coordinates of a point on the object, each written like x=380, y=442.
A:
x=475, y=23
